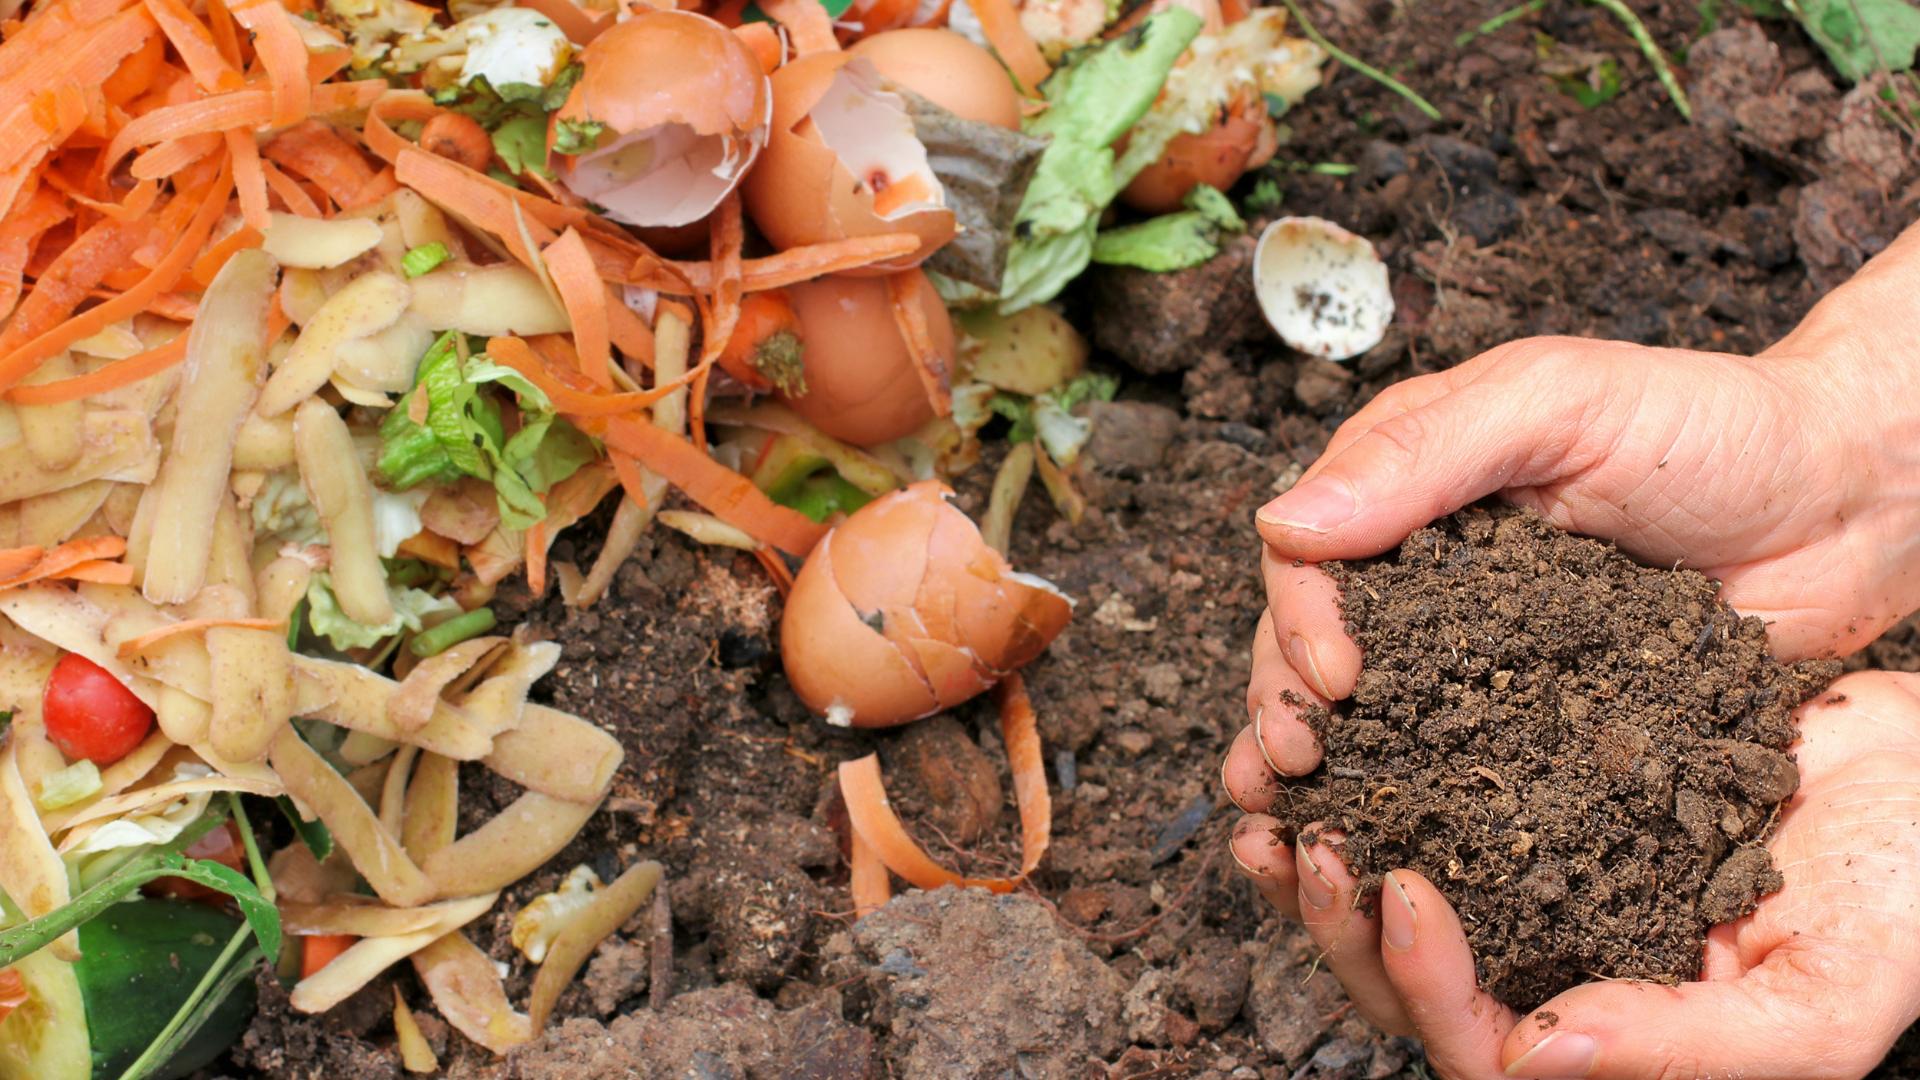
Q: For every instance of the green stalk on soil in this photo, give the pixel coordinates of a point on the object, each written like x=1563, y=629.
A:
x=1493, y=25
x=1654, y=54
x=1359, y=65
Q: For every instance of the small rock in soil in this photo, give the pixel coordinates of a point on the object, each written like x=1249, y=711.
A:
x=617, y=972
x=757, y=907
x=946, y=775
x=973, y=984
x=1290, y=1010
x=725, y=1033
x=1543, y=728
x=1212, y=981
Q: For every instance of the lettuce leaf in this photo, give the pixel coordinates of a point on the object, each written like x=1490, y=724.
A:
x=1173, y=241
x=410, y=609
x=1092, y=101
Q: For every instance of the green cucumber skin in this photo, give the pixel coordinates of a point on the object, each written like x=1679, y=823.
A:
x=139, y=961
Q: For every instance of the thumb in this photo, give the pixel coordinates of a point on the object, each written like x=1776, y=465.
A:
x=1780, y=1021
x=1412, y=467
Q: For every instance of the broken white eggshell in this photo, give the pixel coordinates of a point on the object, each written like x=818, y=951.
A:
x=1322, y=289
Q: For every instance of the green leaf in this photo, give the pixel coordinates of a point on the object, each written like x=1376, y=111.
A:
x=424, y=258
x=822, y=495
x=410, y=608
x=548, y=450
x=1173, y=241
x=835, y=9
x=1018, y=410
x=1215, y=207
x=219, y=984
x=260, y=913
x=577, y=136
x=161, y=860
x=1857, y=35
x=314, y=834
x=1092, y=101
x=1600, y=85
x=1266, y=196
x=521, y=144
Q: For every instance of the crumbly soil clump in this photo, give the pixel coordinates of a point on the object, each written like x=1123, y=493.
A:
x=1584, y=754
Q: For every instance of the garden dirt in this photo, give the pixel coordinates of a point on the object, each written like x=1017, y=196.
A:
x=1522, y=212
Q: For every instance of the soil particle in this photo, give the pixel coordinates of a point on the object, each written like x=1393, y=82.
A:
x=1292, y=1006
x=1212, y=981
x=1153, y=321
x=967, y=983
x=1566, y=743
x=724, y=1033
x=1129, y=435
x=759, y=909
x=331, y=1046
x=618, y=972
x=939, y=768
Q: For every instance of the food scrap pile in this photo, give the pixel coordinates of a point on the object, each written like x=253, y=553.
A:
x=320, y=321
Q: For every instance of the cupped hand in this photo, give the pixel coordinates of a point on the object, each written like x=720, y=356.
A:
x=1816, y=983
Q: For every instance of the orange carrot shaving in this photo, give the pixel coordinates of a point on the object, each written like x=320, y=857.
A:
x=112, y=377
x=726, y=238
x=722, y=492
x=518, y=355
x=75, y=58
x=580, y=26
x=69, y=279
x=171, y=156
x=225, y=33
x=249, y=179
x=23, y=359
x=283, y=54
x=902, y=192
x=99, y=572
x=904, y=293
x=57, y=561
x=17, y=561
x=217, y=254
x=237, y=109
x=585, y=297
x=539, y=538
x=319, y=950
x=806, y=22
x=458, y=137
x=1000, y=22
x=870, y=886
x=139, y=643
x=789, y=267
x=776, y=568
x=315, y=151
x=763, y=316
x=379, y=187
x=19, y=233
x=632, y=335
x=482, y=202
x=875, y=822
x=292, y=195
x=137, y=72
x=402, y=105
x=763, y=43
x=194, y=42
x=632, y=481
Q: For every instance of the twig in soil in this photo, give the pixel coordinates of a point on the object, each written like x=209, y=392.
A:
x=1655, y=55
x=1359, y=65
x=1493, y=25
x=660, y=955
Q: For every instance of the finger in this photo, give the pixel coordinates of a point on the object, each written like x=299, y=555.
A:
x=1787, y=1019
x=1427, y=462
x=1308, y=627
x=1425, y=953
x=1277, y=701
x=1249, y=780
x=1265, y=859
x=1401, y=397
x=1347, y=933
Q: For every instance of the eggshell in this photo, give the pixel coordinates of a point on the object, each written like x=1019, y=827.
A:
x=948, y=70
x=802, y=191
x=1322, y=289
x=903, y=610
x=1218, y=157
x=862, y=385
x=688, y=89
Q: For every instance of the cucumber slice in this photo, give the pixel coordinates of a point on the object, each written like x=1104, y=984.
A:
x=138, y=963
x=46, y=1038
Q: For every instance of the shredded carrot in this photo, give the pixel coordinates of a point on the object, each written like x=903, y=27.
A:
x=76, y=58
x=726, y=238
x=379, y=187
x=99, y=572
x=194, y=43
x=141, y=642
x=722, y=492
x=283, y=54
x=482, y=202
x=113, y=376
x=171, y=156
x=875, y=822
x=292, y=195
x=903, y=291
x=585, y=297
x=137, y=72
x=249, y=179
x=869, y=884
x=57, y=561
x=315, y=151
x=580, y=26
x=1000, y=22
x=217, y=254
x=777, y=569
x=518, y=355
x=633, y=336
x=632, y=481
x=19, y=233
x=538, y=540
x=763, y=43
x=225, y=32
x=23, y=359
x=69, y=278
x=806, y=21
x=789, y=267
x=17, y=561
x=237, y=109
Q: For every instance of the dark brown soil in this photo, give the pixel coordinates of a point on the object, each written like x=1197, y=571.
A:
x=1583, y=753
x=1521, y=212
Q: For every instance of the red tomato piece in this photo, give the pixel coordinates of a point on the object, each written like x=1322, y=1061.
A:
x=90, y=715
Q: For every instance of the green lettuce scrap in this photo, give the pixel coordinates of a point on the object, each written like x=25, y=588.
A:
x=1173, y=241
x=1862, y=36
x=410, y=609
x=465, y=434
x=1049, y=417
x=1092, y=102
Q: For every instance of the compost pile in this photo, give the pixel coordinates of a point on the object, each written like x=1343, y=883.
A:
x=1583, y=753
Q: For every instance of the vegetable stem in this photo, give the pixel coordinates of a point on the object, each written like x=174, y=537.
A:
x=261, y=879
x=1361, y=66
x=445, y=636
x=160, y=1049
x=1493, y=25
x=1654, y=54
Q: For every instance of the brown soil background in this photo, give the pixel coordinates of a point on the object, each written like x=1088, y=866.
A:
x=1586, y=754
x=1140, y=953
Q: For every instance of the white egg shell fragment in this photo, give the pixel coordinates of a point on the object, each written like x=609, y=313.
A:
x=513, y=45
x=1322, y=289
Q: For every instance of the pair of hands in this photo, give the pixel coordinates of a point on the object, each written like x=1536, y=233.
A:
x=1794, y=479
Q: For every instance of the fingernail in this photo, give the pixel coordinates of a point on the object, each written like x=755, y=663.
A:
x=1319, y=506
x=1300, y=655
x=1240, y=829
x=1396, y=916
x=1563, y=1055
x=1315, y=887
x=1227, y=789
x=1260, y=738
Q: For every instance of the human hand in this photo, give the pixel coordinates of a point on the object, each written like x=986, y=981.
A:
x=1816, y=983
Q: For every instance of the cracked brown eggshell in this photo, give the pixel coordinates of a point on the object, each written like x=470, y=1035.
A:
x=686, y=109
x=903, y=610
x=842, y=161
